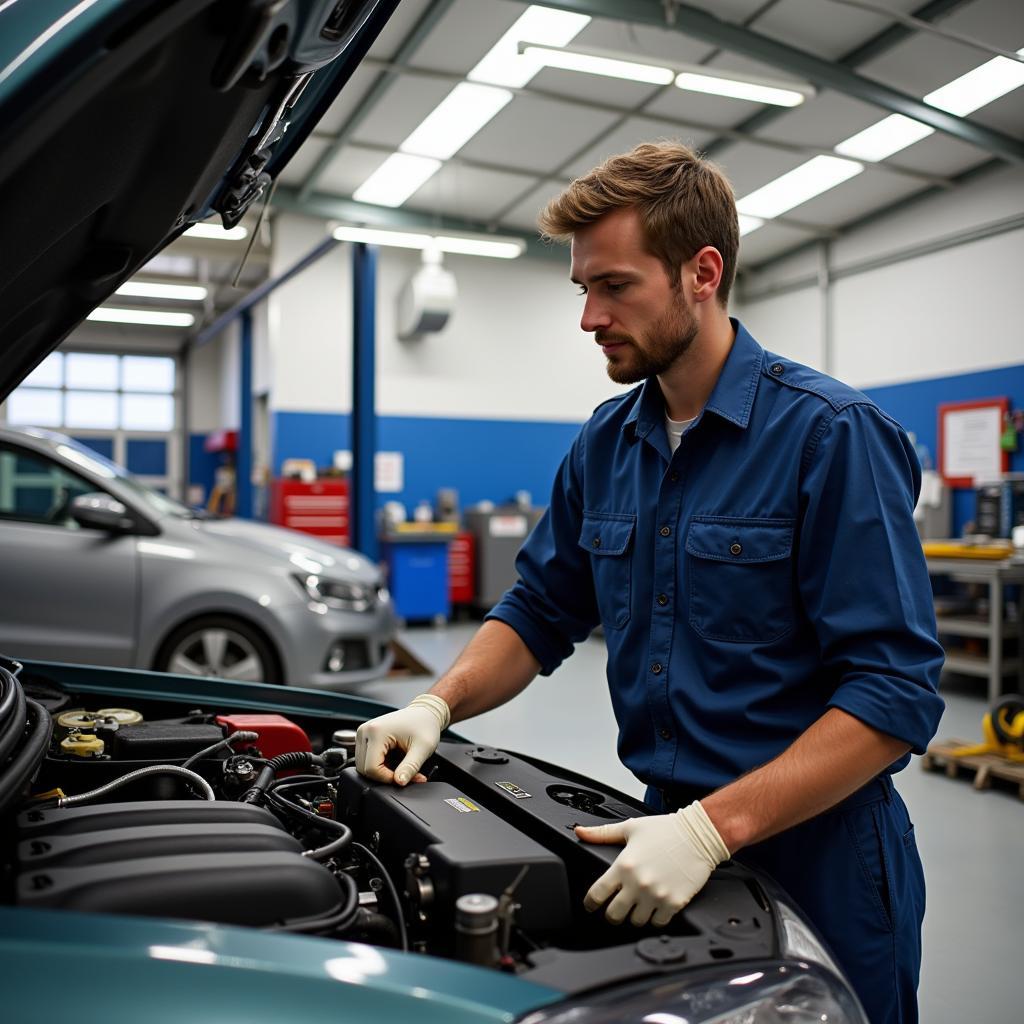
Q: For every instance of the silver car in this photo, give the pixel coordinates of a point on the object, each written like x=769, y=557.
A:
x=98, y=568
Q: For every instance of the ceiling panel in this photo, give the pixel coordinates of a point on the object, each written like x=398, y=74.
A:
x=767, y=242
x=825, y=29
x=302, y=163
x=632, y=133
x=536, y=134
x=350, y=167
x=467, y=192
x=823, y=120
x=348, y=99
x=854, y=198
x=596, y=88
x=1005, y=114
x=729, y=10
x=643, y=41
x=749, y=166
x=940, y=154
x=401, y=109
x=467, y=30
x=711, y=110
x=399, y=25
x=524, y=216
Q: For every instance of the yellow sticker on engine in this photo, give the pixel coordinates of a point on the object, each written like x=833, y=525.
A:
x=461, y=804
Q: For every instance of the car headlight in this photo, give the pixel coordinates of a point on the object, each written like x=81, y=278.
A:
x=349, y=597
x=754, y=992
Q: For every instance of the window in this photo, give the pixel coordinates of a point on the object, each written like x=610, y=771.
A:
x=35, y=490
x=97, y=391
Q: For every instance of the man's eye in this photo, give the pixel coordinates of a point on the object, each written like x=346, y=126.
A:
x=583, y=290
x=616, y=286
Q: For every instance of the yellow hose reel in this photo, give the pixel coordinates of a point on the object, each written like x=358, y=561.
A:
x=1003, y=729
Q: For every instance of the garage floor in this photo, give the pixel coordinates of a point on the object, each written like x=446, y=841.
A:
x=970, y=842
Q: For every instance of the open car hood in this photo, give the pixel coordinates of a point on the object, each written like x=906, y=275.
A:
x=126, y=121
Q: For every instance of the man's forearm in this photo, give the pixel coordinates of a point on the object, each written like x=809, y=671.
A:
x=832, y=759
x=494, y=667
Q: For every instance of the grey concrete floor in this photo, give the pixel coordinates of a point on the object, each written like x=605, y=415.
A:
x=970, y=842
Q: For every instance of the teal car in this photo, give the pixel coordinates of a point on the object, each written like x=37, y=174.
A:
x=185, y=848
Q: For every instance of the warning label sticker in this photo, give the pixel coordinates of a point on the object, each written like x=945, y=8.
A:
x=461, y=804
x=516, y=791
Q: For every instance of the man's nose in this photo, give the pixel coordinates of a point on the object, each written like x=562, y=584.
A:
x=594, y=315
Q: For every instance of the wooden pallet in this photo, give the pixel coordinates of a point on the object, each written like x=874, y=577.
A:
x=986, y=767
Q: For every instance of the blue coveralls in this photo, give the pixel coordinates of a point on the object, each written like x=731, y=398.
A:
x=768, y=570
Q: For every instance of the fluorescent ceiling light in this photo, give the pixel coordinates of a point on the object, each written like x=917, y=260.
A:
x=455, y=120
x=962, y=96
x=151, y=317
x=595, y=64
x=504, y=65
x=979, y=87
x=216, y=231
x=500, y=248
x=154, y=290
x=884, y=138
x=748, y=224
x=818, y=175
x=740, y=89
x=396, y=179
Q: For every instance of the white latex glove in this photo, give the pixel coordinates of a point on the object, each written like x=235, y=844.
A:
x=667, y=860
x=415, y=729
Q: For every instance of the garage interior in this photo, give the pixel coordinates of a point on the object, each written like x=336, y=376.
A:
x=386, y=355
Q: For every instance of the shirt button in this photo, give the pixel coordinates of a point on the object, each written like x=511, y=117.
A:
x=673, y=476
x=665, y=531
x=737, y=548
x=656, y=668
x=663, y=599
x=665, y=734
x=596, y=542
x=777, y=368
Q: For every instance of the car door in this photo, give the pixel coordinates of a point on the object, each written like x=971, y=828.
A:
x=67, y=593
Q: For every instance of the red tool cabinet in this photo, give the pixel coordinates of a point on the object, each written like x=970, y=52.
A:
x=320, y=509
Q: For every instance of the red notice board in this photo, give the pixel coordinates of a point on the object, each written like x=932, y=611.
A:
x=969, y=433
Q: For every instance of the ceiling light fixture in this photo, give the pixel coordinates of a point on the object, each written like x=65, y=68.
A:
x=156, y=290
x=817, y=175
x=149, y=317
x=963, y=95
x=466, y=245
x=455, y=120
x=598, y=64
x=749, y=224
x=396, y=179
x=205, y=230
x=741, y=87
x=504, y=65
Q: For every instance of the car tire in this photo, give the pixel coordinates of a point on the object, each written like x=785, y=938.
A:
x=220, y=646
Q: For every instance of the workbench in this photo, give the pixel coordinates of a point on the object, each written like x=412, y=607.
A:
x=995, y=628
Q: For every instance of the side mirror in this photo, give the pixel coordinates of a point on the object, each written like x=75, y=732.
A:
x=100, y=511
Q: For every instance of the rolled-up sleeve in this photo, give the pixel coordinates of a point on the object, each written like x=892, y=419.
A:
x=552, y=606
x=863, y=578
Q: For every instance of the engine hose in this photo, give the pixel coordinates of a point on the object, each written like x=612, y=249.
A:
x=27, y=759
x=12, y=724
x=241, y=736
x=140, y=773
x=257, y=794
x=403, y=936
x=339, y=921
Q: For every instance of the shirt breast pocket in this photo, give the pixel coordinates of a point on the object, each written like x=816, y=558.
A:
x=608, y=537
x=740, y=578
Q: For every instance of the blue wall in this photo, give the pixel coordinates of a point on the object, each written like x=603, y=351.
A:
x=481, y=459
x=201, y=464
x=915, y=405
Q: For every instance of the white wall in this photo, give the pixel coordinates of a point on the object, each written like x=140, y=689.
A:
x=943, y=313
x=204, y=393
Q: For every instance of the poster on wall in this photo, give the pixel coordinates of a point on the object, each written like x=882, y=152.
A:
x=969, y=449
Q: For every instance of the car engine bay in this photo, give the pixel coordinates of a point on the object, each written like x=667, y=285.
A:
x=256, y=819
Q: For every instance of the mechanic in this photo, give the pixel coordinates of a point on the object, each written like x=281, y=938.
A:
x=742, y=527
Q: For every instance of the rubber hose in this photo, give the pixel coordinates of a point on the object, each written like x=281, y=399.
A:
x=26, y=761
x=13, y=726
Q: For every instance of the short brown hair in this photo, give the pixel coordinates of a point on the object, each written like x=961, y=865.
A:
x=685, y=202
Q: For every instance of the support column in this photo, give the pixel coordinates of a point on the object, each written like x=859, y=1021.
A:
x=243, y=461
x=362, y=497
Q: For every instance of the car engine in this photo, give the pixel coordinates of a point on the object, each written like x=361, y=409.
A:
x=257, y=819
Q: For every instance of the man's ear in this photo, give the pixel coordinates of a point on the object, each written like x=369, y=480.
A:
x=706, y=267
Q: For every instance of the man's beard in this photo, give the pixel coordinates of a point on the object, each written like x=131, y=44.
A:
x=667, y=340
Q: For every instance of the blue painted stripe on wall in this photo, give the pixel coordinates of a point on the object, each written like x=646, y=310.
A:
x=202, y=465
x=308, y=435
x=915, y=405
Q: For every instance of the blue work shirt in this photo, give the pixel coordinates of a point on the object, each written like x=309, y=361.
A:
x=768, y=570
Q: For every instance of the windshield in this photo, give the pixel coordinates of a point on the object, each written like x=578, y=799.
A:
x=78, y=453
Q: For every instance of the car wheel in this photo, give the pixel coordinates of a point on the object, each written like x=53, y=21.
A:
x=219, y=646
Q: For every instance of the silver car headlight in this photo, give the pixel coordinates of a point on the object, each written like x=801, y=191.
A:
x=348, y=597
x=754, y=992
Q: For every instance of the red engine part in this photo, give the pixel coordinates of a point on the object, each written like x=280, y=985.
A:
x=277, y=734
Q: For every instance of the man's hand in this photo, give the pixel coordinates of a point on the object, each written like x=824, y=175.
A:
x=415, y=729
x=667, y=860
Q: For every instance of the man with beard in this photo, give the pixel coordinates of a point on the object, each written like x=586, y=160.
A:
x=742, y=527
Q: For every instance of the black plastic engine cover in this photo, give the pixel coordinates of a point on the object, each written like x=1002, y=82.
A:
x=470, y=849
x=135, y=814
